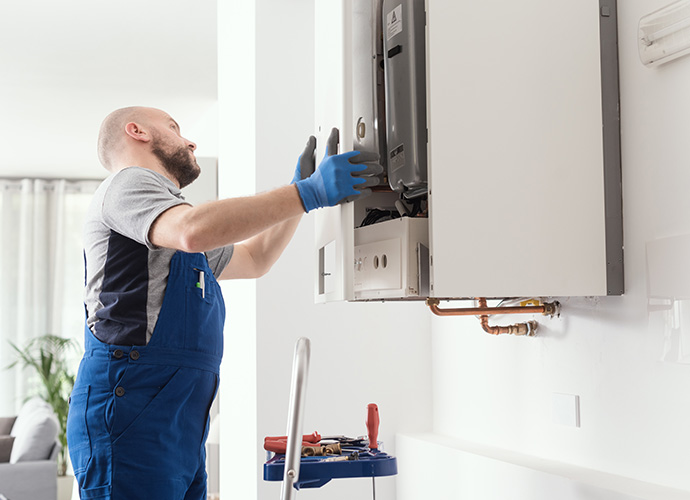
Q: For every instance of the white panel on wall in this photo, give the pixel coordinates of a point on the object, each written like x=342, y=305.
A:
x=332, y=95
x=516, y=149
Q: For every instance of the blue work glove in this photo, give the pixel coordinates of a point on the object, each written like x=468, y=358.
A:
x=307, y=161
x=370, y=173
x=339, y=178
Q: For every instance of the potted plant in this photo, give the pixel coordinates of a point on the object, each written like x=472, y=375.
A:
x=47, y=355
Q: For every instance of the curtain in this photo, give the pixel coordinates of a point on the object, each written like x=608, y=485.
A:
x=41, y=272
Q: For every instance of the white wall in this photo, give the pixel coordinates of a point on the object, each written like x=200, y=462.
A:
x=65, y=72
x=361, y=353
x=494, y=391
x=635, y=409
x=236, y=158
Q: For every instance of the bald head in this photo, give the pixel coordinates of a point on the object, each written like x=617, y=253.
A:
x=147, y=138
x=112, y=134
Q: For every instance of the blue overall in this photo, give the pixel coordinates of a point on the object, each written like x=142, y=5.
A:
x=138, y=417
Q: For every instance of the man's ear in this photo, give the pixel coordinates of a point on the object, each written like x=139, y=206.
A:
x=137, y=132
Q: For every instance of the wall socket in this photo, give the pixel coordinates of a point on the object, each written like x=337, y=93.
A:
x=565, y=409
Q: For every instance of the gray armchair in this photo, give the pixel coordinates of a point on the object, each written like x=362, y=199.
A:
x=28, y=453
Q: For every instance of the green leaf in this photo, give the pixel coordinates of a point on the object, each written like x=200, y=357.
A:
x=46, y=355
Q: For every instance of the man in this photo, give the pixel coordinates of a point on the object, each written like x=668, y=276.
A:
x=153, y=338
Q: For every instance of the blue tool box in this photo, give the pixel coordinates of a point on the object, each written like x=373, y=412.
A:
x=317, y=471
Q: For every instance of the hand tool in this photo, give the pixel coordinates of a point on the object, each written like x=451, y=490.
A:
x=373, y=432
x=280, y=447
x=373, y=425
x=278, y=444
x=344, y=441
x=314, y=437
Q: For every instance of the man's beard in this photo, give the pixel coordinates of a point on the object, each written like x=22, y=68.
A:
x=180, y=163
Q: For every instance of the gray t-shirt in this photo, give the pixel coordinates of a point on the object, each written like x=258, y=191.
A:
x=126, y=275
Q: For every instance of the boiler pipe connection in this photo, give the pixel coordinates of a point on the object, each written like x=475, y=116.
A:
x=528, y=328
x=547, y=309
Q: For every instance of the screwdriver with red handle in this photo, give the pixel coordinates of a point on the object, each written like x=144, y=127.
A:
x=373, y=426
x=373, y=431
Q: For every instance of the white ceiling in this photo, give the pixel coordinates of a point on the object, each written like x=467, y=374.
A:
x=65, y=65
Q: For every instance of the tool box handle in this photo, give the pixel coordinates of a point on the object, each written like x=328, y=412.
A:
x=298, y=390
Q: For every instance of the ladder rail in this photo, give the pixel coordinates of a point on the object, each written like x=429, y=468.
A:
x=298, y=389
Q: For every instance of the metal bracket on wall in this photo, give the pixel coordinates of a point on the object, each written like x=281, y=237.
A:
x=528, y=328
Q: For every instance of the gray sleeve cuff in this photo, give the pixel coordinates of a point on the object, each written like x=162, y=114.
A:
x=153, y=216
x=219, y=258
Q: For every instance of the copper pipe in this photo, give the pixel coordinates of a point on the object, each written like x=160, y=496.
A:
x=528, y=328
x=546, y=308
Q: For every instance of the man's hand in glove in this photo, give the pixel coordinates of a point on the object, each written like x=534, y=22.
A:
x=339, y=178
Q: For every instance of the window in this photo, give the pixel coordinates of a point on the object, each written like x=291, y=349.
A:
x=41, y=269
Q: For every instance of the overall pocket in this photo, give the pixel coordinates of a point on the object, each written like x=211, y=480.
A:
x=204, y=314
x=78, y=441
x=142, y=387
